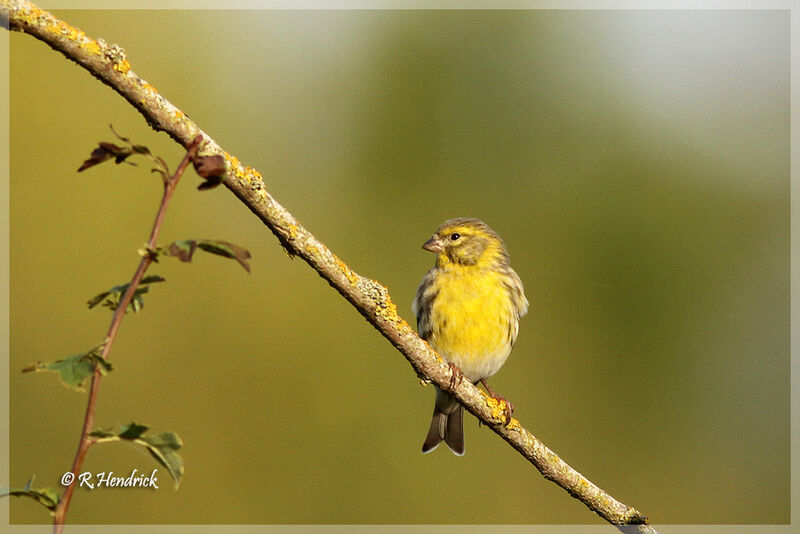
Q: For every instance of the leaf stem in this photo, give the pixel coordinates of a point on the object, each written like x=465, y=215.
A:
x=86, y=440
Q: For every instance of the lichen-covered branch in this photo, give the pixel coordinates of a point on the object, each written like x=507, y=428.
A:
x=109, y=64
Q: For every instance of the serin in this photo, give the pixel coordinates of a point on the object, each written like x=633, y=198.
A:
x=468, y=308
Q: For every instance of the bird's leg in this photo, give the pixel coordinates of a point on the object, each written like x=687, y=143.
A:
x=456, y=376
x=508, y=406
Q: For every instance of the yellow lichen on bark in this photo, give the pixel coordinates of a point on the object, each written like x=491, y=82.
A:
x=388, y=310
x=148, y=88
x=233, y=161
x=498, y=408
x=74, y=34
x=122, y=67
x=250, y=174
x=313, y=250
x=345, y=270
x=55, y=29
x=513, y=425
x=90, y=45
x=34, y=15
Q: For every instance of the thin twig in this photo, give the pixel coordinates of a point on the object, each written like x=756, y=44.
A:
x=371, y=299
x=86, y=440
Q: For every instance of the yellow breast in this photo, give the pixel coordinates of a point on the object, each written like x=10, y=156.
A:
x=473, y=321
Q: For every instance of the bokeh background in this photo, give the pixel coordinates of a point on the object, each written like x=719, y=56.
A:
x=636, y=163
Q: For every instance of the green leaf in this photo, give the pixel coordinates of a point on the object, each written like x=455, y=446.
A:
x=112, y=297
x=95, y=355
x=163, y=446
x=132, y=431
x=97, y=299
x=227, y=250
x=75, y=370
x=47, y=497
x=184, y=250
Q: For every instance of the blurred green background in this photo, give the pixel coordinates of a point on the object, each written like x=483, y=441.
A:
x=636, y=163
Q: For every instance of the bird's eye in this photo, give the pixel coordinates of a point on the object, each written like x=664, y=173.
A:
x=454, y=236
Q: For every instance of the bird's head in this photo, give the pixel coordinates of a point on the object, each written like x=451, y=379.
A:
x=466, y=242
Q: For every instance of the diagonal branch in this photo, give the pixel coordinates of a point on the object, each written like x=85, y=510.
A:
x=109, y=64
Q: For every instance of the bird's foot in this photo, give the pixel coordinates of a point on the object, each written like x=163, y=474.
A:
x=456, y=376
x=508, y=406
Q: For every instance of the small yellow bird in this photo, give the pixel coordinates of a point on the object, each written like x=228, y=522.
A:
x=468, y=308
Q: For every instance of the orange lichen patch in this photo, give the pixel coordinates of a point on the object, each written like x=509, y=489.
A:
x=30, y=15
x=312, y=249
x=498, y=408
x=233, y=161
x=345, y=270
x=91, y=46
x=33, y=14
x=253, y=175
x=384, y=307
x=147, y=87
x=75, y=34
x=247, y=175
x=122, y=66
x=43, y=19
x=513, y=425
x=250, y=174
x=403, y=326
x=388, y=310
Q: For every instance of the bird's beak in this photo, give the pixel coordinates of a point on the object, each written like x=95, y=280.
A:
x=433, y=245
